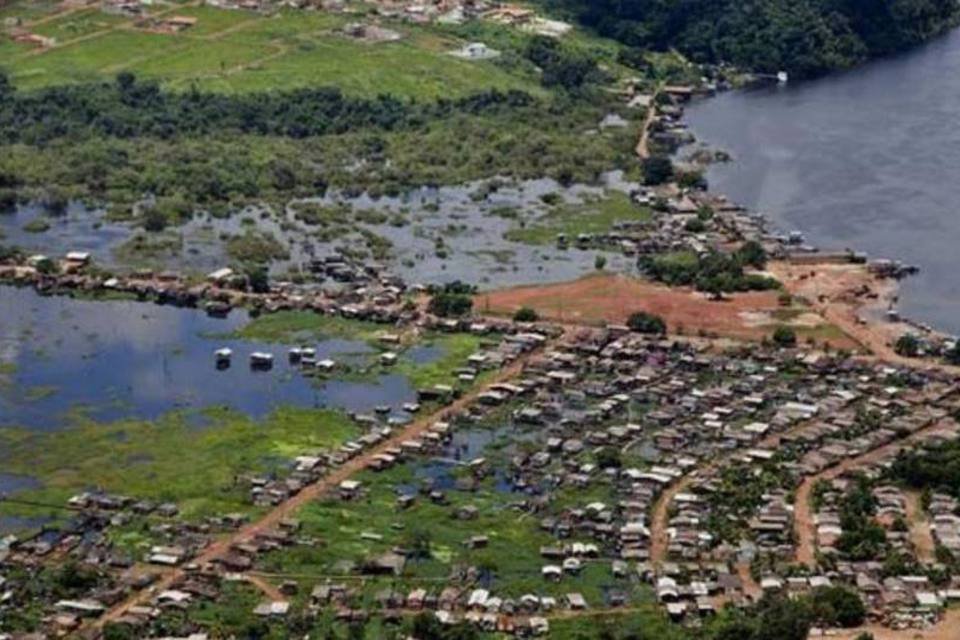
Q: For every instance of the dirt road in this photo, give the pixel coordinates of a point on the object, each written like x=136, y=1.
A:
x=659, y=540
x=803, y=517
x=920, y=534
x=287, y=509
x=643, y=144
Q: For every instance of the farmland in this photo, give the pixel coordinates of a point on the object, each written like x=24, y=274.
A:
x=238, y=51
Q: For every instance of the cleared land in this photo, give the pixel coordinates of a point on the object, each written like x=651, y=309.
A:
x=236, y=51
x=610, y=298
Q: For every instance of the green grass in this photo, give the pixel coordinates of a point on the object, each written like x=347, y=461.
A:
x=77, y=25
x=168, y=459
x=398, y=68
x=512, y=556
x=513, y=553
x=456, y=349
x=28, y=11
x=94, y=59
x=590, y=217
x=294, y=327
x=236, y=51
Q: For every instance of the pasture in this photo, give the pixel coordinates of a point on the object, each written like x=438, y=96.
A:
x=241, y=51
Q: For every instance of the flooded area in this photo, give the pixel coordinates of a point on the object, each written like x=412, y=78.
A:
x=118, y=359
x=436, y=234
x=864, y=159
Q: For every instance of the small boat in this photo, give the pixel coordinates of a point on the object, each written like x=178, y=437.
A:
x=295, y=355
x=261, y=360
x=222, y=357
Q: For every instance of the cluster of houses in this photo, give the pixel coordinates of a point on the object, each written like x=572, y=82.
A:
x=339, y=286
x=699, y=406
x=655, y=424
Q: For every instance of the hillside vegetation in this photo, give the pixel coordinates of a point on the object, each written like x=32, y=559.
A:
x=804, y=37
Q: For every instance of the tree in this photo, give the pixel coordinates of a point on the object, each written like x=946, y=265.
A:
x=526, y=314
x=643, y=322
x=600, y=262
x=418, y=544
x=780, y=618
x=118, y=631
x=784, y=336
x=752, y=254
x=8, y=200
x=657, y=169
x=258, y=279
x=907, y=345
x=154, y=220
x=126, y=81
x=446, y=304
x=608, y=458
x=561, y=65
x=6, y=87
x=55, y=201
x=837, y=607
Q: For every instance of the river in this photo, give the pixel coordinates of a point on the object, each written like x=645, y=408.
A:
x=867, y=159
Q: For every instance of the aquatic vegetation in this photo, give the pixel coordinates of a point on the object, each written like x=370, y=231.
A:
x=169, y=459
x=594, y=216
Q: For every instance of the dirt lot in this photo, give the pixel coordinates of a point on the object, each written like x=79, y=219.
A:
x=611, y=298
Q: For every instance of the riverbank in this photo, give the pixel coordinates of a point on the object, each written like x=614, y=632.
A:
x=852, y=294
x=851, y=163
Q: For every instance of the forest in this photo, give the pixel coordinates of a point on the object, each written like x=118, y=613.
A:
x=804, y=37
x=128, y=108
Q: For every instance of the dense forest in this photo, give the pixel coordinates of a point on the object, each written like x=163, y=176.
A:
x=128, y=108
x=804, y=37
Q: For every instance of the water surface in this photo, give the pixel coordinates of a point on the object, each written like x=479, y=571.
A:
x=868, y=159
x=120, y=359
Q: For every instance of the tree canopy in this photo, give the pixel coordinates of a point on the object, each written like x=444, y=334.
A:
x=804, y=37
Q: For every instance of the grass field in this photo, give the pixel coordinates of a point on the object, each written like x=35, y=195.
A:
x=596, y=215
x=236, y=51
x=168, y=459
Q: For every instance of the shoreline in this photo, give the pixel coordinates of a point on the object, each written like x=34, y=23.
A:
x=848, y=294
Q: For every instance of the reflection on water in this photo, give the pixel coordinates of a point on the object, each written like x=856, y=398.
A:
x=130, y=359
x=866, y=159
x=467, y=221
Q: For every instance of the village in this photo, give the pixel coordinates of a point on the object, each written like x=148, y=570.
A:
x=626, y=456
x=161, y=18
x=565, y=468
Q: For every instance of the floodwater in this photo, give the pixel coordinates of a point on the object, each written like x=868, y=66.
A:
x=118, y=359
x=466, y=221
x=868, y=159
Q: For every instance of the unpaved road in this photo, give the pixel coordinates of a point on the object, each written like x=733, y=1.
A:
x=803, y=517
x=329, y=482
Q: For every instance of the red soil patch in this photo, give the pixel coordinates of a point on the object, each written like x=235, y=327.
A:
x=609, y=298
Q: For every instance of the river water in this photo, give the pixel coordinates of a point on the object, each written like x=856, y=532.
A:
x=868, y=159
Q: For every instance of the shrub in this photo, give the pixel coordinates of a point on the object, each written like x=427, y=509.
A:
x=453, y=299
x=643, y=322
x=657, y=170
x=785, y=336
x=258, y=279
x=154, y=220
x=526, y=314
